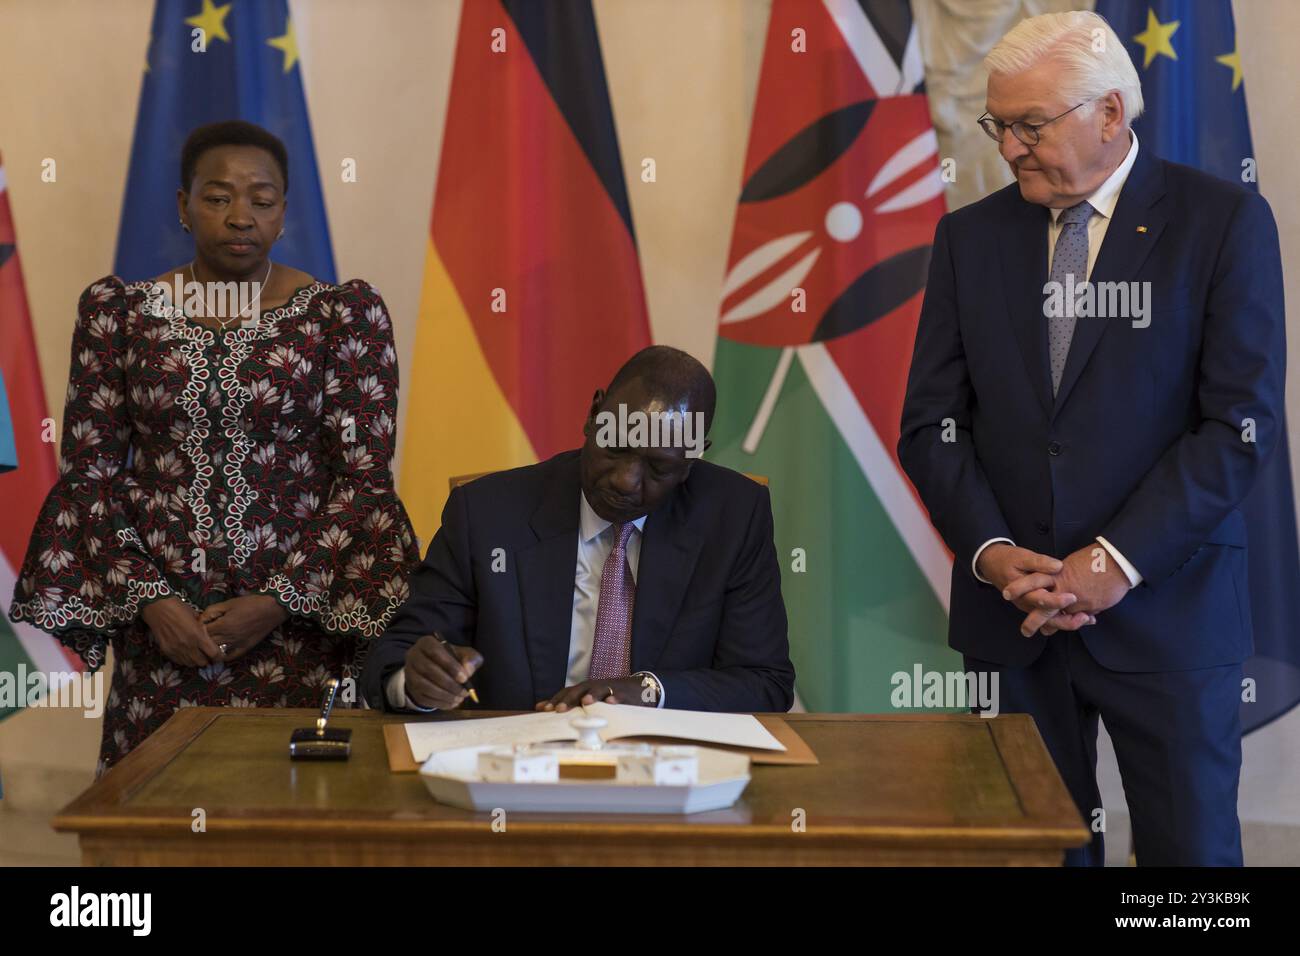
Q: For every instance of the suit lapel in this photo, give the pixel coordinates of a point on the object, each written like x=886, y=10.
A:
x=1024, y=273
x=1122, y=254
x=546, y=569
x=669, y=551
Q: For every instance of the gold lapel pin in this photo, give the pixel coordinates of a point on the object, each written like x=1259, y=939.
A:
x=1142, y=228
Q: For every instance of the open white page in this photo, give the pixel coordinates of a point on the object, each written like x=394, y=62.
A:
x=622, y=720
x=735, y=730
x=430, y=738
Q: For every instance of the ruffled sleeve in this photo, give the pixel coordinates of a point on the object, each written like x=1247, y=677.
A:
x=86, y=574
x=348, y=572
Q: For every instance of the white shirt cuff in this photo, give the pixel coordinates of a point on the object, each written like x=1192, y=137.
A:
x=663, y=691
x=395, y=691
x=1130, y=572
x=974, y=562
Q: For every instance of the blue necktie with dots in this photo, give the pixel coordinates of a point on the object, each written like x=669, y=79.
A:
x=1070, y=257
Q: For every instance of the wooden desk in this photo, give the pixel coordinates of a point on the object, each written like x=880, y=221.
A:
x=893, y=789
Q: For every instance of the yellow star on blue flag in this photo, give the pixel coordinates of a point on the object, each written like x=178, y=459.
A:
x=1196, y=114
x=244, y=71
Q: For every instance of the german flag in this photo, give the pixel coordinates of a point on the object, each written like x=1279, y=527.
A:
x=532, y=291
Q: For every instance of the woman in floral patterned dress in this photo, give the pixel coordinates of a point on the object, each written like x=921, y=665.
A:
x=225, y=515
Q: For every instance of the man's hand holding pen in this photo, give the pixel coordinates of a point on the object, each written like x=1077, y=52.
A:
x=437, y=672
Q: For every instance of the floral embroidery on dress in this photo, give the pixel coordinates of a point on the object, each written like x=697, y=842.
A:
x=204, y=465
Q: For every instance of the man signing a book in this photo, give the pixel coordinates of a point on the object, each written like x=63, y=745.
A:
x=627, y=571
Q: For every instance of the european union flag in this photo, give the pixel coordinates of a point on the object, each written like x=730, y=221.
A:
x=248, y=70
x=1186, y=54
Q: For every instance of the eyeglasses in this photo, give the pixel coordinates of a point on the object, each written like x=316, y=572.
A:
x=1027, y=133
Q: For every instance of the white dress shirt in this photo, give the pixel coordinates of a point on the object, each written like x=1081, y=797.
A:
x=1103, y=201
x=595, y=542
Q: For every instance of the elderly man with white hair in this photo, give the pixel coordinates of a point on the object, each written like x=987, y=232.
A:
x=1097, y=381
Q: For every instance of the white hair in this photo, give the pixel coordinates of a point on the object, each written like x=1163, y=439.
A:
x=1093, y=60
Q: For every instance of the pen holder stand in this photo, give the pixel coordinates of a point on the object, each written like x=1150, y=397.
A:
x=309, y=743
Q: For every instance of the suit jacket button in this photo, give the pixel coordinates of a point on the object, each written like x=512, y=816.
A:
x=1054, y=448
x=1041, y=527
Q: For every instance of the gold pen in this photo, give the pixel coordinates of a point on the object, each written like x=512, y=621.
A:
x=327, y=705
x=469, y=683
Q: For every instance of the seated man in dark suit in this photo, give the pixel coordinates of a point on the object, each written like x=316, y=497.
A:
x=621, y=572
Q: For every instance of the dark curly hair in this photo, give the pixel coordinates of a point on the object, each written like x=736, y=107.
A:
x=230, y=133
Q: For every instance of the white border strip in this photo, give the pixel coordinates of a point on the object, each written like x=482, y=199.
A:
x=878, y=466
x=863, y=42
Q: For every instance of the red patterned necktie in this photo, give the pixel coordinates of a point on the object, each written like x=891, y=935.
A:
x=611, y=650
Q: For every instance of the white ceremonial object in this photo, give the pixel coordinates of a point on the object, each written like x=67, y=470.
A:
x=589, y=732
x=453, y=777
x=670, y=766
x=661, y=766
x=519, y=765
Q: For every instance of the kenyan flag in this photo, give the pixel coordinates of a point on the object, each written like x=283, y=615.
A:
x=841, y=195
x=27, y=468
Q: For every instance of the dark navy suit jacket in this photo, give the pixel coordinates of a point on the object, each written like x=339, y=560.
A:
x=709, y=619
x=1143, y=443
